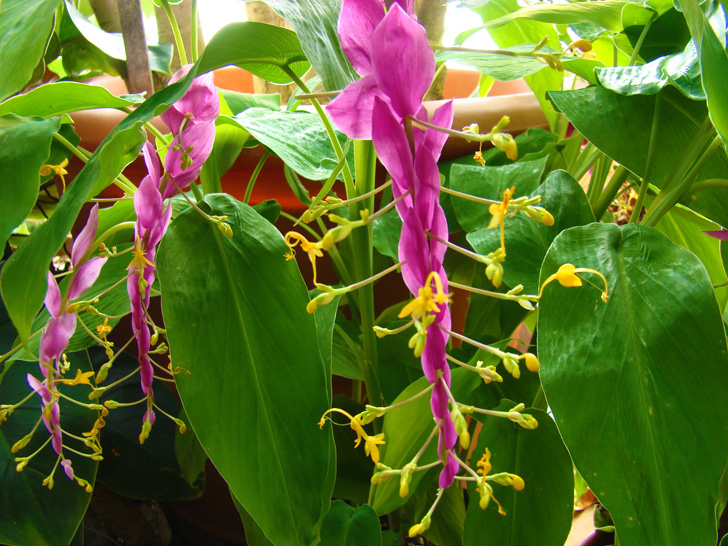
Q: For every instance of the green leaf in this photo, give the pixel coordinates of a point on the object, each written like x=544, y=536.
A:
x=32, y=515
x=668, y=35
x=630, y=381
x=229, y=141
x=315, y=23
x=353, y=466
x=345, y=525
x=713, y=62
x=680, y=69
x=527, y=240
x=620, y=127
x=254, y=535
x=140, y=471
x=406, y=430
x=23, y=279
x=541, y=513
x=237, y=102
x=490, y=183
x=685, y=228
x=191, y=456
x=24, y=147
x=310, y=154
x=447, y=523
x=58, y=98
x=255, y=413
x=112, y=43
x=501, y=67
x=24, y=27
x=267, y=51
x=520, y=31
x=606, y=14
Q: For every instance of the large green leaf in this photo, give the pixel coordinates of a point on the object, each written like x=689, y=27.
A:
x=631, y=381
x=24, y=27
x=315, y=23
x=345, y=525
x=235, y=315
x=32, y=515
x=607, y=14
x=541, y=513
x=58, y=98
x=620, y=127
x=685, y=228
x=499, y=66
x=490, y=183
x=310, y=153
x=527, y=240
x=405, y=431
x=267, y=51
x=713, y=62
x=23, y=279
x=24, y=147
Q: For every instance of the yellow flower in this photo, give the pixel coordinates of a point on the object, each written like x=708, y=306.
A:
x=314, y=250
x=80, y=379
x=567, y=277
x=478, y=157
x=59, y=170
x=370, y=442
x=426, y=301
x=499, y=213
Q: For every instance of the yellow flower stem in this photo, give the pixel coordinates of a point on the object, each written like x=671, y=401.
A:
x=462, y=364
x=92, y=407
x=465, y=466
x=411, y=399
x=123, y=348
x=35, y=427
x=388, y=207
x=464, y=251
x=486, y=348
x=492, y=413
x=160, y=410
x=370, y=280
x=107, y=387
x=80, y=453
x=96, y=338
x=121, y=181
x=490, y=293
x=12, y=351
x=127, y=404
x=424, y=447
x=452, y=132
x=70, y=435
x=400, y=329
x=29, y=457
x=165, y=379
x=192, y=204
x=469, y=197
x=361, y=197
x=104, y=315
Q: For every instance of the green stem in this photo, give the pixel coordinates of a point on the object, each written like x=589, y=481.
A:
x=678, y=182
x=598, y=176
x=195, y=37
x=361, y=243
x=710, y=183
x=641, y=39
x=175, y=30
x=610, y=192
x=121, y=181
x=254, y=177
x=196, y=192
x=650, y=161
x=348, y=180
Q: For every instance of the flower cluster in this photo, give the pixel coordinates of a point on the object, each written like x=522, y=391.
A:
x=192, y=122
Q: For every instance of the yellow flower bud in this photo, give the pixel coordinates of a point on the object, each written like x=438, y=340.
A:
x=532, y=362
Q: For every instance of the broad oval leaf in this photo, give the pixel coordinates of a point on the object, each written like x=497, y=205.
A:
x=24, y=27
x=541, y=513
x=58, y=98
x=270, y=52
x=24, y=147
x=235, y=314
x=637, y=384
x=345, y=525
x=310, y=153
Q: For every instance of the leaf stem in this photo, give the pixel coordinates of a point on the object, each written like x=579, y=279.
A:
x=175, y=30
x=254, y=176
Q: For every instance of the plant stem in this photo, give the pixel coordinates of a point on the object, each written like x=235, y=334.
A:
x=175, y=30
x=254, y=177
x=650, y=161
x=348, y=180
x=121, y=181
x=195, y=37
x=610, y=192
x=641, y=39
